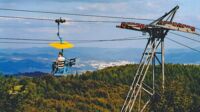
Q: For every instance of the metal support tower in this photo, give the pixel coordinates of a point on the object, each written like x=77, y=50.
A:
x=141, y=93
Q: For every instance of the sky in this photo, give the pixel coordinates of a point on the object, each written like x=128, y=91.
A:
x=188, y=13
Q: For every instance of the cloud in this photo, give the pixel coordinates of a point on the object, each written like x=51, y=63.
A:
x=103, y=7
x=102, y=64
x=84, y=1
x=125, y=8
x=144, y=8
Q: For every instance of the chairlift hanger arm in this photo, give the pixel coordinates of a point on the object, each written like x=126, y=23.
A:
x=58, y=21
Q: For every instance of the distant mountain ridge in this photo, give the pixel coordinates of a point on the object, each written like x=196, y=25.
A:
x=40, y=59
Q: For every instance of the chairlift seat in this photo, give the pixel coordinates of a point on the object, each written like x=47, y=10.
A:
x=60, y=64
x=63, y=67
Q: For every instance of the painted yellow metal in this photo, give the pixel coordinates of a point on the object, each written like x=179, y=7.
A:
x=63, y=45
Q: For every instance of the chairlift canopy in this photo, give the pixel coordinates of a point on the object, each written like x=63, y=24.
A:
x=63, y=45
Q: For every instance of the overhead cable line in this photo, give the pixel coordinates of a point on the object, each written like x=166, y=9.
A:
x=185, y=37
x=114, y=40
x=80, y=41
x=28, y=39
x=77, y=14
x=74, y=14
x=46, y=19
x=30, y=18
x=6, y=42
x=183, y=45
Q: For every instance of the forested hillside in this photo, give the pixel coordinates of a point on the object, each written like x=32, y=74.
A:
x=99, y=91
